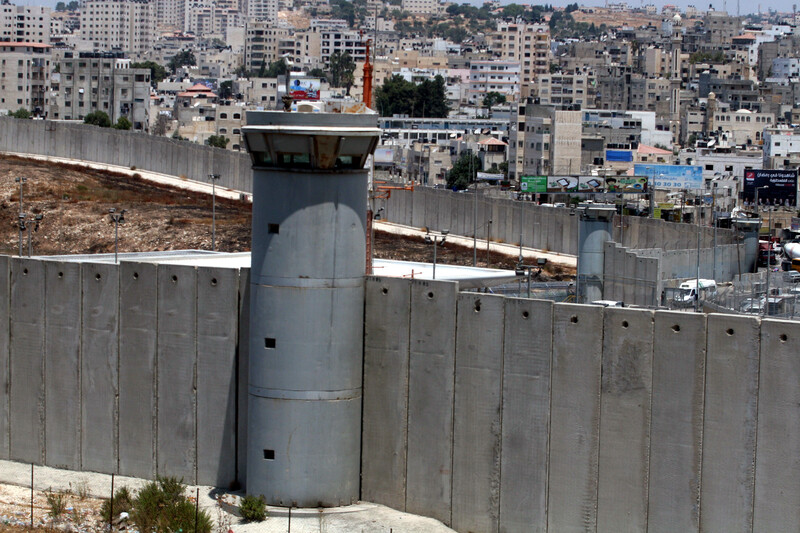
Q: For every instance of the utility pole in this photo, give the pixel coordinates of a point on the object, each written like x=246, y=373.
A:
x=213, y=178
x=21, y=181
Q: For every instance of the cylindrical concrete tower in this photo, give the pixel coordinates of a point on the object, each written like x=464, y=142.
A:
x=307, y=301
x=593, y=232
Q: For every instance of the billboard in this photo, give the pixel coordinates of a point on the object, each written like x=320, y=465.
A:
x=635, y=184
x=533, y=184
x=781, y=186
x=305, y=88
x=619, y=156
x=562, y=183
x=672, y=176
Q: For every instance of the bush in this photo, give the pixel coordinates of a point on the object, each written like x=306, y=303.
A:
x=57, y=502
x=20, y=113
x=253, y=508
x=123, y=503
x=162, y=506
x=98, y=118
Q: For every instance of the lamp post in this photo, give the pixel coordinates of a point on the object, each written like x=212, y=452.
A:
x=522, y=269
x=697, y=279
x=769, y=244
x=117, y=217
x=213, y=178
x=437, y=240
x=21, y=181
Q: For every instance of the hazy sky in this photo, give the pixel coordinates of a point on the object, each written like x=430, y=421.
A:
x=745, y=6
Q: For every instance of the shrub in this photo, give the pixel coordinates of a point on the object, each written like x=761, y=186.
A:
x=253, y=508
x=123, y=503
x=57, y=502
x=162, y=506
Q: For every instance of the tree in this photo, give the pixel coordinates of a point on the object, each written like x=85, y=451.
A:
x=395, y=96
x=275, y=69
x=157, y=72
x=316, y=73
x=219, y=141
x=73, y=5
x=342, y=67
x=160, y=128
x=430, y=99
x=98, y=118
x=20, y=113
x=493, y=98
x=61, y=6
x=513, y=11
x=182, y=58
x=463, y=172
x=122, y=124
x=226, y=90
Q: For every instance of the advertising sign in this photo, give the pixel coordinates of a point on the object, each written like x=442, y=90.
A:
x=562, y=183
x=781, y=186
x=626, y=184
x=533, y=184
x=619, y=156
x=305, y=88
x=676, y=177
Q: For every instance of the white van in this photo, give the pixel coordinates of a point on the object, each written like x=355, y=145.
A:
x=688, y=292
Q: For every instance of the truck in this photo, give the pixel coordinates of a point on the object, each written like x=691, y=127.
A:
x=687, y=291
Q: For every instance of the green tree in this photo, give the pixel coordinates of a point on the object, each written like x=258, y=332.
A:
x=275, y=69
x=513, y=11
x=464, y=171
x=226, y=90
x=182, y=58
x=61, y=6
x=122, y=124
x=493, y=98
x=430, y=99
x=395, y=96
x=219, y=141
x=316, y=73
x=20, y=113
x=342, y=67
x=98, y=118
x=73, y=5
x=157, y=72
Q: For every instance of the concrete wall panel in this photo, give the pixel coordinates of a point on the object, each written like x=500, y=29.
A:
x=385, y=418
x=100, y=367
x=729, y=432
x=62, y=365
x=217, y=337
x=138, y=327
x=574, y=418
x=777, y=484
x=177, y=351
x=625, y=420
x=27, y=392
x=430, y=398
x=478, y=404
x=526, y=414
x=676, y=430
x=5, y=383
x=244, y=371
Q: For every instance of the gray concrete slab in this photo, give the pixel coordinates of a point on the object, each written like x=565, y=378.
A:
x=177, y=356
x=430, y=399
x=5, y=383
x=477, y=427
x=217, y=337
x=526, y=414
x=625, y=420
x=138, y=327
x=99, y=367
x=777, y=483
x=676, y=429
x=62, y=365
x=385, y=417
x=26, y=394
x=574, y=418
x=729, y=431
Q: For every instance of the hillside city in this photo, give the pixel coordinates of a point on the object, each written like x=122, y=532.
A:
x=517, y=92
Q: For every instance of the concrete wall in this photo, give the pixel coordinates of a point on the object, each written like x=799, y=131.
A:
x=562, y=417
x=126, y=149
x=546, y=228
x=128, y=369
x=637, y=277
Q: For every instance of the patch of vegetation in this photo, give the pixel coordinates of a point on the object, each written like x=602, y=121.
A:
x=57, y=501
x=253, y=508
x=123, y=503
x=163, y=506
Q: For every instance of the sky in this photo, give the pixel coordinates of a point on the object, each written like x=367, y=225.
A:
x=745, y=6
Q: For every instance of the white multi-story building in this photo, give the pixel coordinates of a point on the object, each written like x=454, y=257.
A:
x=29, y=24
x=493, y=76
x=98, y=82
x=785, y=67
x=264, y=43
x=24, y=76
x=781, y=147
x=170, y=14
x=336, y=40
x=261, y=10
x=526, y=44
x=124, y=25
x=423, y=7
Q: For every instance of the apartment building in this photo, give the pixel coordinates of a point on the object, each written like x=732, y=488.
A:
x=567, y=89
x=170, y=14
x=781, y=147
x=123, y=25
x=423, y=7
x=526, y=44
x=24, y=23
x=552, y=142
x=261, y=10
x=266, y=42
x=24, y=76
x=102, y=82
x=492, y=76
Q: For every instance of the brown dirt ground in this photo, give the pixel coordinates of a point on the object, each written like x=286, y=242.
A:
x=75, y=203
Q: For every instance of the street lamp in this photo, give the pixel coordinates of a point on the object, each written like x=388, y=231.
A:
x=21, y=181
x=213, y=178
x=769, y=245
x=522, y=269
x=436, y=240
x=117, y=217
